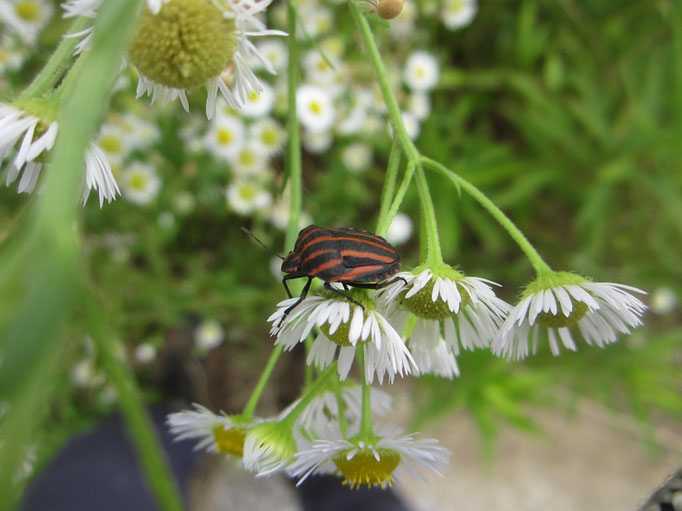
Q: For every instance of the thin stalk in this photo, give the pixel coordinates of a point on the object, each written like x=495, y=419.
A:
x=250, y=407
x=434, y=257
x=540, y=266
x=54, y=68
x=311, y=393
x=142, y=433
x=293, y=157
x=341, y=404
x=366, y=429
x=384, y=220
x=399, y=196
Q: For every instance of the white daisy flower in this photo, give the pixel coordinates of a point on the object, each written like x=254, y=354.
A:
x=663, y=300
x=249, y=161
x=400, y=230
x=185, y=44
x=556, y=302
x=245, y=197
x=419, y=105
x=268, y=448
x=140, y=183
x=370, y=462
x=114, y=142
x=428, y=307
x=259, y=104
x=315, y=108
x=26, y=18
x=344, y=326
x=140, y=133
x=458, y=13
x=225, y=137
x=25, y=137
x=317, y=20
x=215, y=433
x=317, y=142
x=269, y=135
x=275, y=52
x=208, y=335
x=357, y=157
x=421, y=71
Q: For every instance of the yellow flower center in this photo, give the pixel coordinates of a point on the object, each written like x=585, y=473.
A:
x=253, y=96
x=364, y=469
x=110, y=144
x=421, y=304
x=558, y=320
x=420, y=72
x=28, y=10
x=186, y=44
x=229, y=441
x=269, y=136
x=138, y=181
x=247, y=192
x=315, y=107
x=247, y=158
x=224, y=136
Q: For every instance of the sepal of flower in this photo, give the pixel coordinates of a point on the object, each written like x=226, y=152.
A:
x=558, y=301
x=385, y=352
x=269, y=447
x=221, y=433
x=430, y=305
x=368, y=460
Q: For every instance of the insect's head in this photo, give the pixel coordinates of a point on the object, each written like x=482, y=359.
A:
x=291, y=262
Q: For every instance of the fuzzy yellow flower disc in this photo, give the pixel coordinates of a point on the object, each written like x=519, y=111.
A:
x=184, y=45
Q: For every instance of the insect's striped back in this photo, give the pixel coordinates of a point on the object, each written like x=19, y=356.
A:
x=345, y=255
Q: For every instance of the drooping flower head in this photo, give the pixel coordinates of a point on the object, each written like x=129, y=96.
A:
x=438, y=310
x=269, y=447
x=369, y=461
x=343, y=325
x=555, y=303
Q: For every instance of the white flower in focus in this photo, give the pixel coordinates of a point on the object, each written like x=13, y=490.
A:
x=208, y=335
x=140, y=183
x=269, y=135
x=343, y=328
x=357, y=157
x=317, y=142
x=315, y=108
x=225, y=137
x=554, y=303
x=259, y=104
x=421, y=71
x=245, y=197
x=458, y=13
x=663, y=300
x=400, y=229
x=145, y=353
x=26, y=18
x=370, y=462
x=215, y=433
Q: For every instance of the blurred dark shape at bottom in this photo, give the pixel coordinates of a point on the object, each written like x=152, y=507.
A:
x=99, y=471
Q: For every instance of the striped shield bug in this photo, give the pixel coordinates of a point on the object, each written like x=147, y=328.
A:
x=352, y=257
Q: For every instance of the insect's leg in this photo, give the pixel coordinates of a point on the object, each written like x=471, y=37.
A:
x=376, y=285
x=290, y=276
x=345, y=286
x=304, y=293
x=329, y=287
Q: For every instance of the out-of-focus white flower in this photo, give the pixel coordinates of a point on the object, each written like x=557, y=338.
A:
x=419, y=105
x=458, y=13
x=275, y=52
x=12, y=54
x=26, y=18
x=404, y=24
x=315, y=108
x=225, y=137
x=245, y=197
x=249, y=161
x=411, y=123
x=140, y=183
x=357, y=157
x=269, y=135
x=114, y=142
x=145, y=353
x=400, y=229
x=85, y=374
x=317, y=141
x=316, y=20
x=259, y=104
x=663, y=300
x=421, y=71
x=208, y=335
x=184, y=202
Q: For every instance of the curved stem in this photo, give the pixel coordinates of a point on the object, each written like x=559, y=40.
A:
x=434, y=257
x=250, y=407
x=384, y=220
x=540, y=266
x=316, y=388
x=54, y=68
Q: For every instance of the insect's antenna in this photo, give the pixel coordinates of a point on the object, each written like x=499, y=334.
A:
x=261, y=243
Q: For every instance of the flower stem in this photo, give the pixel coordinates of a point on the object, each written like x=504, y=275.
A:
x=142, y=434
x=399, y=196
x=293, y=159
x=54, y=68
x=366, y=429
x=250, y=407
x=389, y=188
x=540, y=266
x=311, y=393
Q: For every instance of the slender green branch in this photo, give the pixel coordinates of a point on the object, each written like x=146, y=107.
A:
x=54, y=68
x=434, y=256
x=140, y=427
x=366, y=418
x=399, y=196
x=250, y=407
x=293, y=159
x=540, y=266
x=389, y=188
x=321, y=385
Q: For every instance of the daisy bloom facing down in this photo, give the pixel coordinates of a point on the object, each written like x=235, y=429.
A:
x=369, y=460
x=556, y=302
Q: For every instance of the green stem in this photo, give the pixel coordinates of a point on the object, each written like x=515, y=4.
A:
x=366, y=429
x=54, y=68
x=321, y=385
x=341, y=404
x=434, y=257
x=250, y=407
x=293, y=159
x=389, y=188
x=140, y=427
x=540, y=266
x=399, y=196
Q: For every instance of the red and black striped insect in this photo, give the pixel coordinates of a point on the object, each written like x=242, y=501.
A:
x=352, y=257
